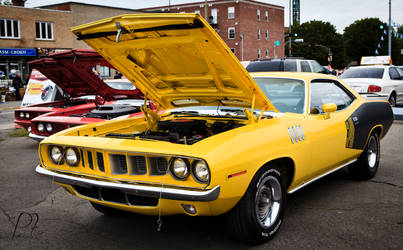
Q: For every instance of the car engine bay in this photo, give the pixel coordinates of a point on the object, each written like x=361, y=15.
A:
x=182, y=130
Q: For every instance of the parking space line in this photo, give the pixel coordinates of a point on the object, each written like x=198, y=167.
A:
x=9, y=108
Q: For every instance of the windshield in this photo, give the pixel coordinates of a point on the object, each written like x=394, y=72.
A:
x=363, y=73
x=287, y=95
x=130, y=102
x=121, y=85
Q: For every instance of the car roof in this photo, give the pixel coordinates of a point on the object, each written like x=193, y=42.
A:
x=300, y=75
x=372, y=66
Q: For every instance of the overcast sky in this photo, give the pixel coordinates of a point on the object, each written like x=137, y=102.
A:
x=340, y=13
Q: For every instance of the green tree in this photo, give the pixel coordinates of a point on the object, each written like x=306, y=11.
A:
x=317, y=36
x=363, y=36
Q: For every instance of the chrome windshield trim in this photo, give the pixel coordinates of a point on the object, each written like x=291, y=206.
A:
x=37, y=137
x=151, y=191
x=323, y=175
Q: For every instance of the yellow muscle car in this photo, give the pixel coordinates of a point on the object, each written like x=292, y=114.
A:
x=229, y=143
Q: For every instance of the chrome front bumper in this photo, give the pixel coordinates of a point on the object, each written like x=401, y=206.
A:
x=37, y=137
x=135, y=189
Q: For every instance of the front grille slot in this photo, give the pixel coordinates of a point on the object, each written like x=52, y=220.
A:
x=116, y=195
x=91, y=192
x=137, y=200
x=157, y=165
x=118, y=164
x=100, y=162
x=82, y=158
x=90, y=162
x=137, y=165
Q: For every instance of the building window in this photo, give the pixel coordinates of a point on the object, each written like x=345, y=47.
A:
x=258, y=15
x=258, y=34
x=9, y=28
x=258, y=53
x=233, y=50
x=104, y=71
x=267, y=53
x=231, y=33
x=213, y=19
x=197, y=12
x=231, y=12
x=44, y=30
x=266, y=15
x=267, y=34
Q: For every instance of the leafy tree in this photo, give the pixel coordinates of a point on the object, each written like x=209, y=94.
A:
x=363, y=36
x=318, y=37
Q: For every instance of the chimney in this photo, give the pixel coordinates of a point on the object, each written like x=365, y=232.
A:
x=19, y=2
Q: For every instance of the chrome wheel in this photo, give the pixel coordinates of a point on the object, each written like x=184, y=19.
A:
x=268, y=200
x=372, y=152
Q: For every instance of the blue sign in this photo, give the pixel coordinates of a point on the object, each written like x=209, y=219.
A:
x=277, y=43
x=17, y=52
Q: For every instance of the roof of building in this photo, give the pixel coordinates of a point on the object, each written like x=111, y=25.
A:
x=213, y=2
x=88, y=4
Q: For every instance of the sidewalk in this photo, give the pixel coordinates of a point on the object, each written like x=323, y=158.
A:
x=398, y=112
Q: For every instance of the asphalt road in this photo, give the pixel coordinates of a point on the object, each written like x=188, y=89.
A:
x=335, y=212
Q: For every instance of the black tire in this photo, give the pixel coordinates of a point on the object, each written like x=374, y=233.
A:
x=246, y=221
x=108, y=211
x=367, y=164
x=392, y=100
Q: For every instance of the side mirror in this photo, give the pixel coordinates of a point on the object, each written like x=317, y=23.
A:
x=329, y=108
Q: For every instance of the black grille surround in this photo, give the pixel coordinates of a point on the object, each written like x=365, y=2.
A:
x=116, y=196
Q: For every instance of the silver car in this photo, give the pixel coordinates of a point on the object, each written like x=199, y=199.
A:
x=377, y=82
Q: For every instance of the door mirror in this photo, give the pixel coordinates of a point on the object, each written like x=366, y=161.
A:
x=329, y=108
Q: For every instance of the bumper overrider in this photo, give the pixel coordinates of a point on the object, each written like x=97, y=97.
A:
x=134, y=189
x=36, y=137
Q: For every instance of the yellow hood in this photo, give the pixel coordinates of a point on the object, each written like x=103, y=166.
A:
x=176, y=60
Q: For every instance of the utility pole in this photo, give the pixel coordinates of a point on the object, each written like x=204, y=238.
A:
x=205, y=11
x=390, y=29
x=289, y=30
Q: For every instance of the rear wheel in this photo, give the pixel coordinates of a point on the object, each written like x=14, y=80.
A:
x=367, y=164
x=108, y=211
x=258, y=215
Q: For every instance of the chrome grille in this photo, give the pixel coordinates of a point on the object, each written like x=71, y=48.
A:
x=157, y=165
x=137, y=165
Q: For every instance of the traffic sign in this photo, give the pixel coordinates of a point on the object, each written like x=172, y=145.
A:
x=277, y=43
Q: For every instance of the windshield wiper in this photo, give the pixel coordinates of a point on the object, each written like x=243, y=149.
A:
x=189, y=112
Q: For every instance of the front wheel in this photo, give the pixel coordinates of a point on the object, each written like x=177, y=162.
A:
x=258, y=215
x=367, y=164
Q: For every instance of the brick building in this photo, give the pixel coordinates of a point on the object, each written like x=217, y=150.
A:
x=25, y=33
x=29, y=33
x=249, y=28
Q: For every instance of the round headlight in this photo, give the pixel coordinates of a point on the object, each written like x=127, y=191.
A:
x=27, y=115
x=72, y=157
x=180, y=168
x=22, y=115
x=56, y=154
x=49, y=127
x=201, y=171
x=40, y=127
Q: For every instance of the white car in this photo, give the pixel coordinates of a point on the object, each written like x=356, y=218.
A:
x=377, y=82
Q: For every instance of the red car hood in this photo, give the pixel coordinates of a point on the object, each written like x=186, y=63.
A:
x=72, y=71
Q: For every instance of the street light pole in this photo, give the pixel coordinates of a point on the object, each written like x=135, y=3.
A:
x=390, y=29
x=289, y=30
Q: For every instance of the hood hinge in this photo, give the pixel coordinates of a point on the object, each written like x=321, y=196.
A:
x=152, y=117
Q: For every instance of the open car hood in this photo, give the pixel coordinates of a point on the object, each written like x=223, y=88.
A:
x=72, y=71
x=176, y=60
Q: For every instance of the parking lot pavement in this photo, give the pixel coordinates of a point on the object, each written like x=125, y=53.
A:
x=335, y=212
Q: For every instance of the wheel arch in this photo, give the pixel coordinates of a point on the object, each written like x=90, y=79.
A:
x=287, y=168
